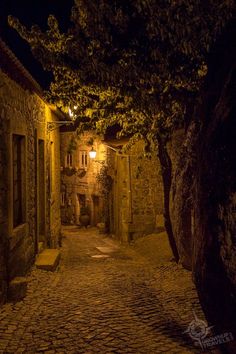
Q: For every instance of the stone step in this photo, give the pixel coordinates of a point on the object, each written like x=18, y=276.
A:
x=48, y=259
x=17, y=289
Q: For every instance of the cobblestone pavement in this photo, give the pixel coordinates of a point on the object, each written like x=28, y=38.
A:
x=116, y=302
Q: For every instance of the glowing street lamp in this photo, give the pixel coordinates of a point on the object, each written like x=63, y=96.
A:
x=72, y=113
x=92, y=153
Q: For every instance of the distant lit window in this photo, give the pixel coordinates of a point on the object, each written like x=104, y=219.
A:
x=83, y=159
x=69, y=160
x=18, y=145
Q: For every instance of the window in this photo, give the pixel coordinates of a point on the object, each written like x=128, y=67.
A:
x=63, y=198
x=69, y=160
x=18, y=143
x=83, y=159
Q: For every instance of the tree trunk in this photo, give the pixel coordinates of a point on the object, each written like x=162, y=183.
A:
x=182, y=196
x=166, y=171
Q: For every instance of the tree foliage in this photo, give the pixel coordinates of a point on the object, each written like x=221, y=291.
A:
x=135, y=63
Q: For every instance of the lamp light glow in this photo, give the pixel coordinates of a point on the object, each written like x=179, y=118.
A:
x=92, y=153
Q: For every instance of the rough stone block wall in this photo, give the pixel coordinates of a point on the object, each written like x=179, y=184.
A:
x=214, y=256
x=54, y=206
x=19, y=113
x=3, y=212
x=122, y=199
x=24, y=113
x=138, y=190
x=138, y=194
x=146, y=190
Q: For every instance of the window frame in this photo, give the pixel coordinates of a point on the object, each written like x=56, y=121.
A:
x=83, y=159
x=63, y=199
x=69, y=160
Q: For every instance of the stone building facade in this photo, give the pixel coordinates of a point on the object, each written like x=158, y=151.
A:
x=135, y=203
x=29, y=171
x=137, y=200
x=79, y=184
x=136, y=206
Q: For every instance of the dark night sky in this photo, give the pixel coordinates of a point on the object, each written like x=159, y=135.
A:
x=31, y=12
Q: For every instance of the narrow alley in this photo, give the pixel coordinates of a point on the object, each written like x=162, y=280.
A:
x=103, y=298
x=117, y=177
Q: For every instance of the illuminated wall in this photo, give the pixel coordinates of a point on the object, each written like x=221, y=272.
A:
x=79, y=186
x=137, y=194
x=29, y=180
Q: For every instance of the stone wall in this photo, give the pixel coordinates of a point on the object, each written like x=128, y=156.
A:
x=138, y=194
x=3, y=212
x=24, y=113
x=16, y=106
x=206, y=176
x=147, y=192
x=53, y=183
x=138, y=191
x=214, y=256
x=121, y=197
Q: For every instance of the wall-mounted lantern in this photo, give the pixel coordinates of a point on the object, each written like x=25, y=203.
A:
x=92, y=153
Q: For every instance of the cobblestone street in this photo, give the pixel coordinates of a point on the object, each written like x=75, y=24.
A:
x=115, y=302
